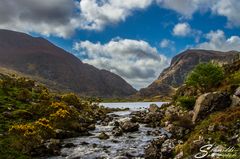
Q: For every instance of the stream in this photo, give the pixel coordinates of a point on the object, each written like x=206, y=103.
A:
x=129, y=145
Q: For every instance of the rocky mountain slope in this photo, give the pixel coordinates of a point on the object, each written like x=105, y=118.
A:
x=57, y=68
x=174, y=76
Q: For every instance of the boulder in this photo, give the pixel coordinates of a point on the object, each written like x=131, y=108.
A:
x=128, y=126
x=54, y=146
x=153, y=151
x=63, y=134
x=237, y=92
x=235, y=101
x=103, y=136
x=117, y=131
x=168, y=148
x=153, y=108
x=210, y=102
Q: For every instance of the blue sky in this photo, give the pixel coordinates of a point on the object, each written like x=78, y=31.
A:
x=135, y=39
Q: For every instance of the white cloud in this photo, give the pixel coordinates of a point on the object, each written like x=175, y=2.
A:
x=95, y=16
x=186, y=8
x=62, y=17
x=166, y=43
x=134, y=60
x=229, y=9
x=181, y=29
x=216, y=40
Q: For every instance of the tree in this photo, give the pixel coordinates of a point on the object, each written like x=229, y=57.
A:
x=205, y=76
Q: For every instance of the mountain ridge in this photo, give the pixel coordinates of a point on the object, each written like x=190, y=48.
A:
x=36, y=56
x=181, y=64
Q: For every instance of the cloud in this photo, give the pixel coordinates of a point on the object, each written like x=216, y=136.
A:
x=182, y=29
x=95, y=16
x=186, y=8
x=44, y=17
x=134, y=60
x=216, y=40
x=229, y=9
x=63, y=17
x=166, y=43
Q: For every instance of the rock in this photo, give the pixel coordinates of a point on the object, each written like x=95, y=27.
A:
x=168, y=147
x=128, y=126
x=153, y=119
x=69, y=145
x=91, y=127
x=235, y=101
x=84, y=143
x=103, y=136
x=196, y=144
x=7, y=114
x=210, y=102
x=153, y=149
x=63, y=134
x=179, y=155
x=54, y=146
x=117, y=131
x=237, y=92
x=153, y=108
x=211, y=128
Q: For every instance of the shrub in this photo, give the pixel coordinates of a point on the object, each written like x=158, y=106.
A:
x=186, y=102
x=234, y=79
x=71, y=99
x=24, y=95
x=205, y=76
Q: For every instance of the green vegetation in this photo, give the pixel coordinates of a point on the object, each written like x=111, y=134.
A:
x=186, y=102
x=224, y=125
x=30, y=114
x=205, y=76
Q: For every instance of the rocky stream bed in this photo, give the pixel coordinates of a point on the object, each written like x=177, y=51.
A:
x=115, y=137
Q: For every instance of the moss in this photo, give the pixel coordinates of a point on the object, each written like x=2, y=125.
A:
x=227, y=119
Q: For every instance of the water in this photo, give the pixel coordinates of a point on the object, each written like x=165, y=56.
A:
x=131, y=105
x=129, y=144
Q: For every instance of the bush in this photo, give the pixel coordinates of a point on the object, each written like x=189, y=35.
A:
x=234, y=79
x=186, y=102
x=205, y=76
x=71, y=99
x=24, y=95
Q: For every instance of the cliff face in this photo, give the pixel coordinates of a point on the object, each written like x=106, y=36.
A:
x=57, y=68
x=174, y=76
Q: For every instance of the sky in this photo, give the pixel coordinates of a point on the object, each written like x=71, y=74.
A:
x=135, y=39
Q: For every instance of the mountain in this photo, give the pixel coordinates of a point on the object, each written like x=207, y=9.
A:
x=174, y=76
x=60, y=70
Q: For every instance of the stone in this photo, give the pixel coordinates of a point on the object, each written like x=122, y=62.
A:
x=117, y=131
x=91, y=127
x=168, y=148
x=210, y=102
x=179, y=155
x=7, y=114
x=153, y=150
x=237, y=92
x=53, y=146
x=69, y=145
x=153, y=108
x=103, y=136
x=211, y=128
x=235, y=101
x=128, y=126
x=63, y=134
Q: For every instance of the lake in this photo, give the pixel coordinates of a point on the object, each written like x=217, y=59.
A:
x=131, y=105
